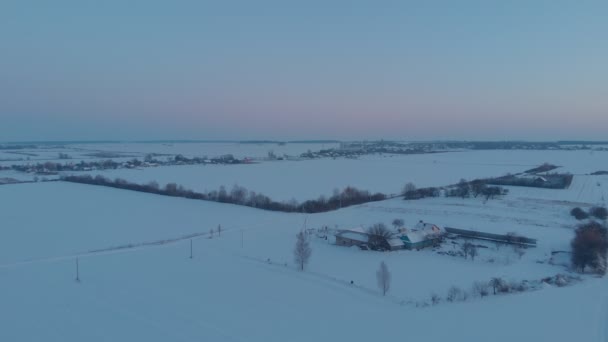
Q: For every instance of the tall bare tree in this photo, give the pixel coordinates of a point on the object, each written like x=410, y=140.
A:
x=409, y=187
x=384, y=278
x=302, y=250
x=379, y=235
x=496, y=283
x=398, y=223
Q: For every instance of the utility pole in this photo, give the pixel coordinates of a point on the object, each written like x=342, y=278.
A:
x=190, y=248
x=77, y=272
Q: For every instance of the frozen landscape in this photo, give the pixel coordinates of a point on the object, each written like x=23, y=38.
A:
x=303, y=171
x=136, y=275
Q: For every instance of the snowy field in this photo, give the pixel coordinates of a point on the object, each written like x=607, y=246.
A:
x=239, y=150
x=286, y=180
x=243, y=286
x=137, y=277
x=125, y=151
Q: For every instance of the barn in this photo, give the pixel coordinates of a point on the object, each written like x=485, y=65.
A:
x=352, y=237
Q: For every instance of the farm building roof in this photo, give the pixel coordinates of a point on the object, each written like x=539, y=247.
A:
x=354, y=235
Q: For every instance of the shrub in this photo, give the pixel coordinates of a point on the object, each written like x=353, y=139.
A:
x=455, y=294
x=435, y=299
x=599, y=212
x=579, y=213
x=481, y=289
x=589, y=247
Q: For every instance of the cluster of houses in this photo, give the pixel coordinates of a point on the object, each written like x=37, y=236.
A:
x=421, y=236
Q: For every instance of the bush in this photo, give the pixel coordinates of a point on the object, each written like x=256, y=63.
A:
x=589, y=247
x=579, y=213
x=599, y=212
x=481, y=289
x=455, y=294
x=435, y=299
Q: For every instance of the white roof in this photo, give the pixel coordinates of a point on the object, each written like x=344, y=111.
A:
x=395, y=242
x=416, y=236
x=429, y=227
x=423, y=232
x=356, y=229
x=353, y=235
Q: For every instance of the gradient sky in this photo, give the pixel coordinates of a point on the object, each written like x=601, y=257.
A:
x=135, y=70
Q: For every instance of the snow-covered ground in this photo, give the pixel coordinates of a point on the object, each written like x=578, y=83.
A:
x=194, y=149
x=243, y=285
x=308, y=179
x=138, y=282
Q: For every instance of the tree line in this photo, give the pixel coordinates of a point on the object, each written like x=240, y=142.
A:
x=463, y=189
x=238, y=195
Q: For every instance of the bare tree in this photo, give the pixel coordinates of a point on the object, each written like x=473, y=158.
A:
x=599, y=212
x=219, y=230
x=435, y=299
x=384, y=278
x=481, y=289
x=463, y=188
x=409, y=187
x=302, y=250
x=398, y=223
x=590, y=246
x=473, y=251
x=496, y=284
x=454, y=294
x=466, y=249
x=379, y=235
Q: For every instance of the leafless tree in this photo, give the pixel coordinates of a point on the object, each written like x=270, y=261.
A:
x=219, y=230
x=496, y=283
x=463, y=188
x=466, y=249
x=435, y=299
x=481, y=289
x=473, y=251
x=238, y=194
x=519, y=250
x=599, y=212
x=379, y=234
x=302, y=250
x=384, y=278
x=454, y=294
x=590, y=246
x=398, y=223
x=409, y=187
x=154, y=185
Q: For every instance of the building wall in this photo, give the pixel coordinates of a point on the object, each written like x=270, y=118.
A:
x=342, y=241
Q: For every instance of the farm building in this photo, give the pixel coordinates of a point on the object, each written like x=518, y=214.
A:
x=352, y=237
x=396, y=244
x=424, y=235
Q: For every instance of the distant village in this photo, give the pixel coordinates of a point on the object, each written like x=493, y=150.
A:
x=150, y=160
